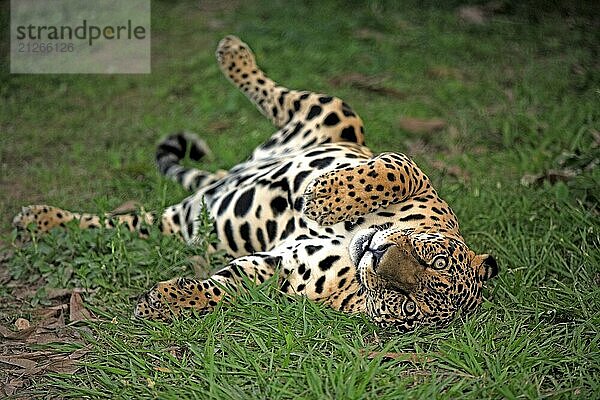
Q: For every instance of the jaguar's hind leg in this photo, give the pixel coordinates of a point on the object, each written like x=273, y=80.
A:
x=305, y=118
x=42, y=218
x=180, y=219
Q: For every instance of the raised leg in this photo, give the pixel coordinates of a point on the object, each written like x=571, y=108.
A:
x=43, y=218
x=305, y=119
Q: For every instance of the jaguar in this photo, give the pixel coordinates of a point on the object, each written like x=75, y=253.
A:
x=312, y=208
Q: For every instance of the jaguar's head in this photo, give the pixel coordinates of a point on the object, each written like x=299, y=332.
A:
x=418, y=278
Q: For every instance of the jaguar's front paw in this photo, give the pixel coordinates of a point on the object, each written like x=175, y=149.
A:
x=169, y=298
x=314, y=206
x=151, y=305
x=234, y=56
x=41, y=217
x=326, y=202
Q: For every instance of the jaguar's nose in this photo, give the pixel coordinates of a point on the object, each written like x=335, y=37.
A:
x=399, y=266
x=378, y=253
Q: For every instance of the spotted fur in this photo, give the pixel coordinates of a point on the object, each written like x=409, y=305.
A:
x=313, y=206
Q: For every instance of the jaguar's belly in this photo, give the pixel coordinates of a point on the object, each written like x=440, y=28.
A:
x=259, y=204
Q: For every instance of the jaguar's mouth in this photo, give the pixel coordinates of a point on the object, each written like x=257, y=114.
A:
x=360, y=245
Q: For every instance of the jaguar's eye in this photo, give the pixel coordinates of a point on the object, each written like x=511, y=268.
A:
x=409, y=307
x=440, y=262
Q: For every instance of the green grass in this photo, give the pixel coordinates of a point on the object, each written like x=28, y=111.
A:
x=516, y=93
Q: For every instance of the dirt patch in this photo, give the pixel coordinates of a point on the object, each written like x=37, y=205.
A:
x=481, y=14
x=419, y=125
x=29, y=344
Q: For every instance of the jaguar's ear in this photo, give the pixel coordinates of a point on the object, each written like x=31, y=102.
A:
x=485, y=265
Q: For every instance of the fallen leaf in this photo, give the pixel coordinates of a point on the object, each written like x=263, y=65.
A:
x=51, y=317
x=162, y=369
x=479, y=14
x=18, y=362
x=23, y=334
x=473, y=14
x=364, y=82
x=22, y=324
x=150, y=383
x=127, y=207
x=418, y=125
x=68, y=364
x=366, y=33
x=39, y=362
x=11, y=387
x=77, y=311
